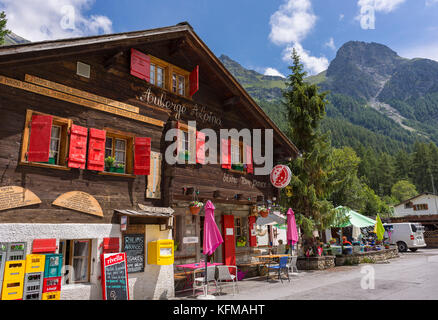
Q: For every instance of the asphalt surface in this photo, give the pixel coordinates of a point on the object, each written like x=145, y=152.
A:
x=412, y=276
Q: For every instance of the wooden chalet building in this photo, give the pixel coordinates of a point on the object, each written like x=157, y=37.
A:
x=67, y=105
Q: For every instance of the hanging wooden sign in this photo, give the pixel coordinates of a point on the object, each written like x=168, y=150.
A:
x=14, y=197
x=79, y=201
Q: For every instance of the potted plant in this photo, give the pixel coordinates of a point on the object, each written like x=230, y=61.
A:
x=241, y=241
x=263, y=211
x=332, y=241
x=195, y=207
x=237, y=166
x=109, y=163
x=120, y=168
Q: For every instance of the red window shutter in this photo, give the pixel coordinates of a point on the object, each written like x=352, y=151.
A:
x=44, y=246
x=142, y=158
x=39, y=141
x=96, y=150
x=249, y=165
x=229, y=245
x=252, y=232
x=200, y=147
x=140, y=65
x=110, y=245
x=78, y=147
x=194, y=81
x=226, y=153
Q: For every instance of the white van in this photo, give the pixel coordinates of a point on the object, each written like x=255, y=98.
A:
x=406, y=235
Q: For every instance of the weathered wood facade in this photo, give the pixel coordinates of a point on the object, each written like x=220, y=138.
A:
x=42, y=77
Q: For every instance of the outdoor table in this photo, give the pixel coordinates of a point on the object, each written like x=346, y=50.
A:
x=193, y=266
x=269, y=259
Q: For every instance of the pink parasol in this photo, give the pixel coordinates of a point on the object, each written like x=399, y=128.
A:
x=212, y=235
x=292, y=233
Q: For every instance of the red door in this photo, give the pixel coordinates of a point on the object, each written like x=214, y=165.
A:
x=229, y=245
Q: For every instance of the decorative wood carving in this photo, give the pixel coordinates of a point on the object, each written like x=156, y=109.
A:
x=79, y=201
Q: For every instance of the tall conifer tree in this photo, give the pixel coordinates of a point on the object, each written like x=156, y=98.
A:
x=313, y=172
x=3, y=30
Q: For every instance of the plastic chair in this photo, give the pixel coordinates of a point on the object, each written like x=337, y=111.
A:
x=292, y=264
x=279, y=267
x=199, y=279
x=225, y=276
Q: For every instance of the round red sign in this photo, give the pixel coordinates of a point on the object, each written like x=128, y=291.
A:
x=280, y=176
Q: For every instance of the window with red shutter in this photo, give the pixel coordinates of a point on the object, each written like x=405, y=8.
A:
x=200, y=147
x=39, y=141
x=194, y=81
x=96, y=150
x=226, y=154
x=142, y=157
x=140, y=65
x=249, y=165
x=78, y=147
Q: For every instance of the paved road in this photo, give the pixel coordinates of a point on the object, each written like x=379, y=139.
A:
x=411, y=276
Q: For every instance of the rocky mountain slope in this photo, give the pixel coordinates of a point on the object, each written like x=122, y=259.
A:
x=377, y=98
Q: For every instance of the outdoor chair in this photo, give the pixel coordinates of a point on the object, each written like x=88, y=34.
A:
x=279, y=267
x=292, y=264
x=199, y=279
x=225, y=277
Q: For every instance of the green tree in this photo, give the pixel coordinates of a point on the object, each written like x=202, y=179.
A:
x=3, y=31
x=421, y=168
x=403, y=190
x=313, y=177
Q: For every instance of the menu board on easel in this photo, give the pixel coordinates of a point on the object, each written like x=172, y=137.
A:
x=114, y=277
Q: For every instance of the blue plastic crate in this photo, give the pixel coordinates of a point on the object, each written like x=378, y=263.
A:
x=53, y=265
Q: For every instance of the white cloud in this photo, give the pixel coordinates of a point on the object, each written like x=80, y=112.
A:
x=312, y=64
x=38, y=20
x=290, y=25
x=385, y=6
x=292, y=22
x=273, y=72
x=429, y=51
x=331, y=44
x=341, y=17
x=368, y=9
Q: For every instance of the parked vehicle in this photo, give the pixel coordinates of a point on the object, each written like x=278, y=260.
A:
x=406, y=235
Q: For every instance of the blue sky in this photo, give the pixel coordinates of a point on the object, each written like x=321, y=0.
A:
x=259, y=34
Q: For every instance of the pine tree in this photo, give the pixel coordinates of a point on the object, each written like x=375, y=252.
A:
x=3, y=31
x=313, y=174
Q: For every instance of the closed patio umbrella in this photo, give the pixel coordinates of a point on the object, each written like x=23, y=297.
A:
x=292, y=232
x=212, y=239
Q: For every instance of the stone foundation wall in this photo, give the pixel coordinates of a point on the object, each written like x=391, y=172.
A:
x=326, y=262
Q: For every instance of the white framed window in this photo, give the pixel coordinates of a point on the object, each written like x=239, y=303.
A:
x=55, y=143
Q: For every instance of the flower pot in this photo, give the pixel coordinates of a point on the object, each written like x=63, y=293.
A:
x=112, y=169
x=241, y=243
x=194, y=210
x=120, y=170
x=264, y=213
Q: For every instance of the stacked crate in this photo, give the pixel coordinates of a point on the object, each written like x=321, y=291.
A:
x=33, y=281
x=52, y=277
x=14, y=270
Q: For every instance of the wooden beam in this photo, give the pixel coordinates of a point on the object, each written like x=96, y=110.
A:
x=176, y=45
x=109, y=64
x=230, y=103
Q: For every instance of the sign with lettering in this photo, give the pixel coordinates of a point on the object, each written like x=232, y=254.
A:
x=179, y=108
x=14, y=197
x=78, y=100
x=281, y=176
x=114, y=276
x=134, y=249
x=228, y=178
x=79, y=201
x=190, y=240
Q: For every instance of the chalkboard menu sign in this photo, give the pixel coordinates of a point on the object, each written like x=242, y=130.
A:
x=134, y=249
x=114, y=276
